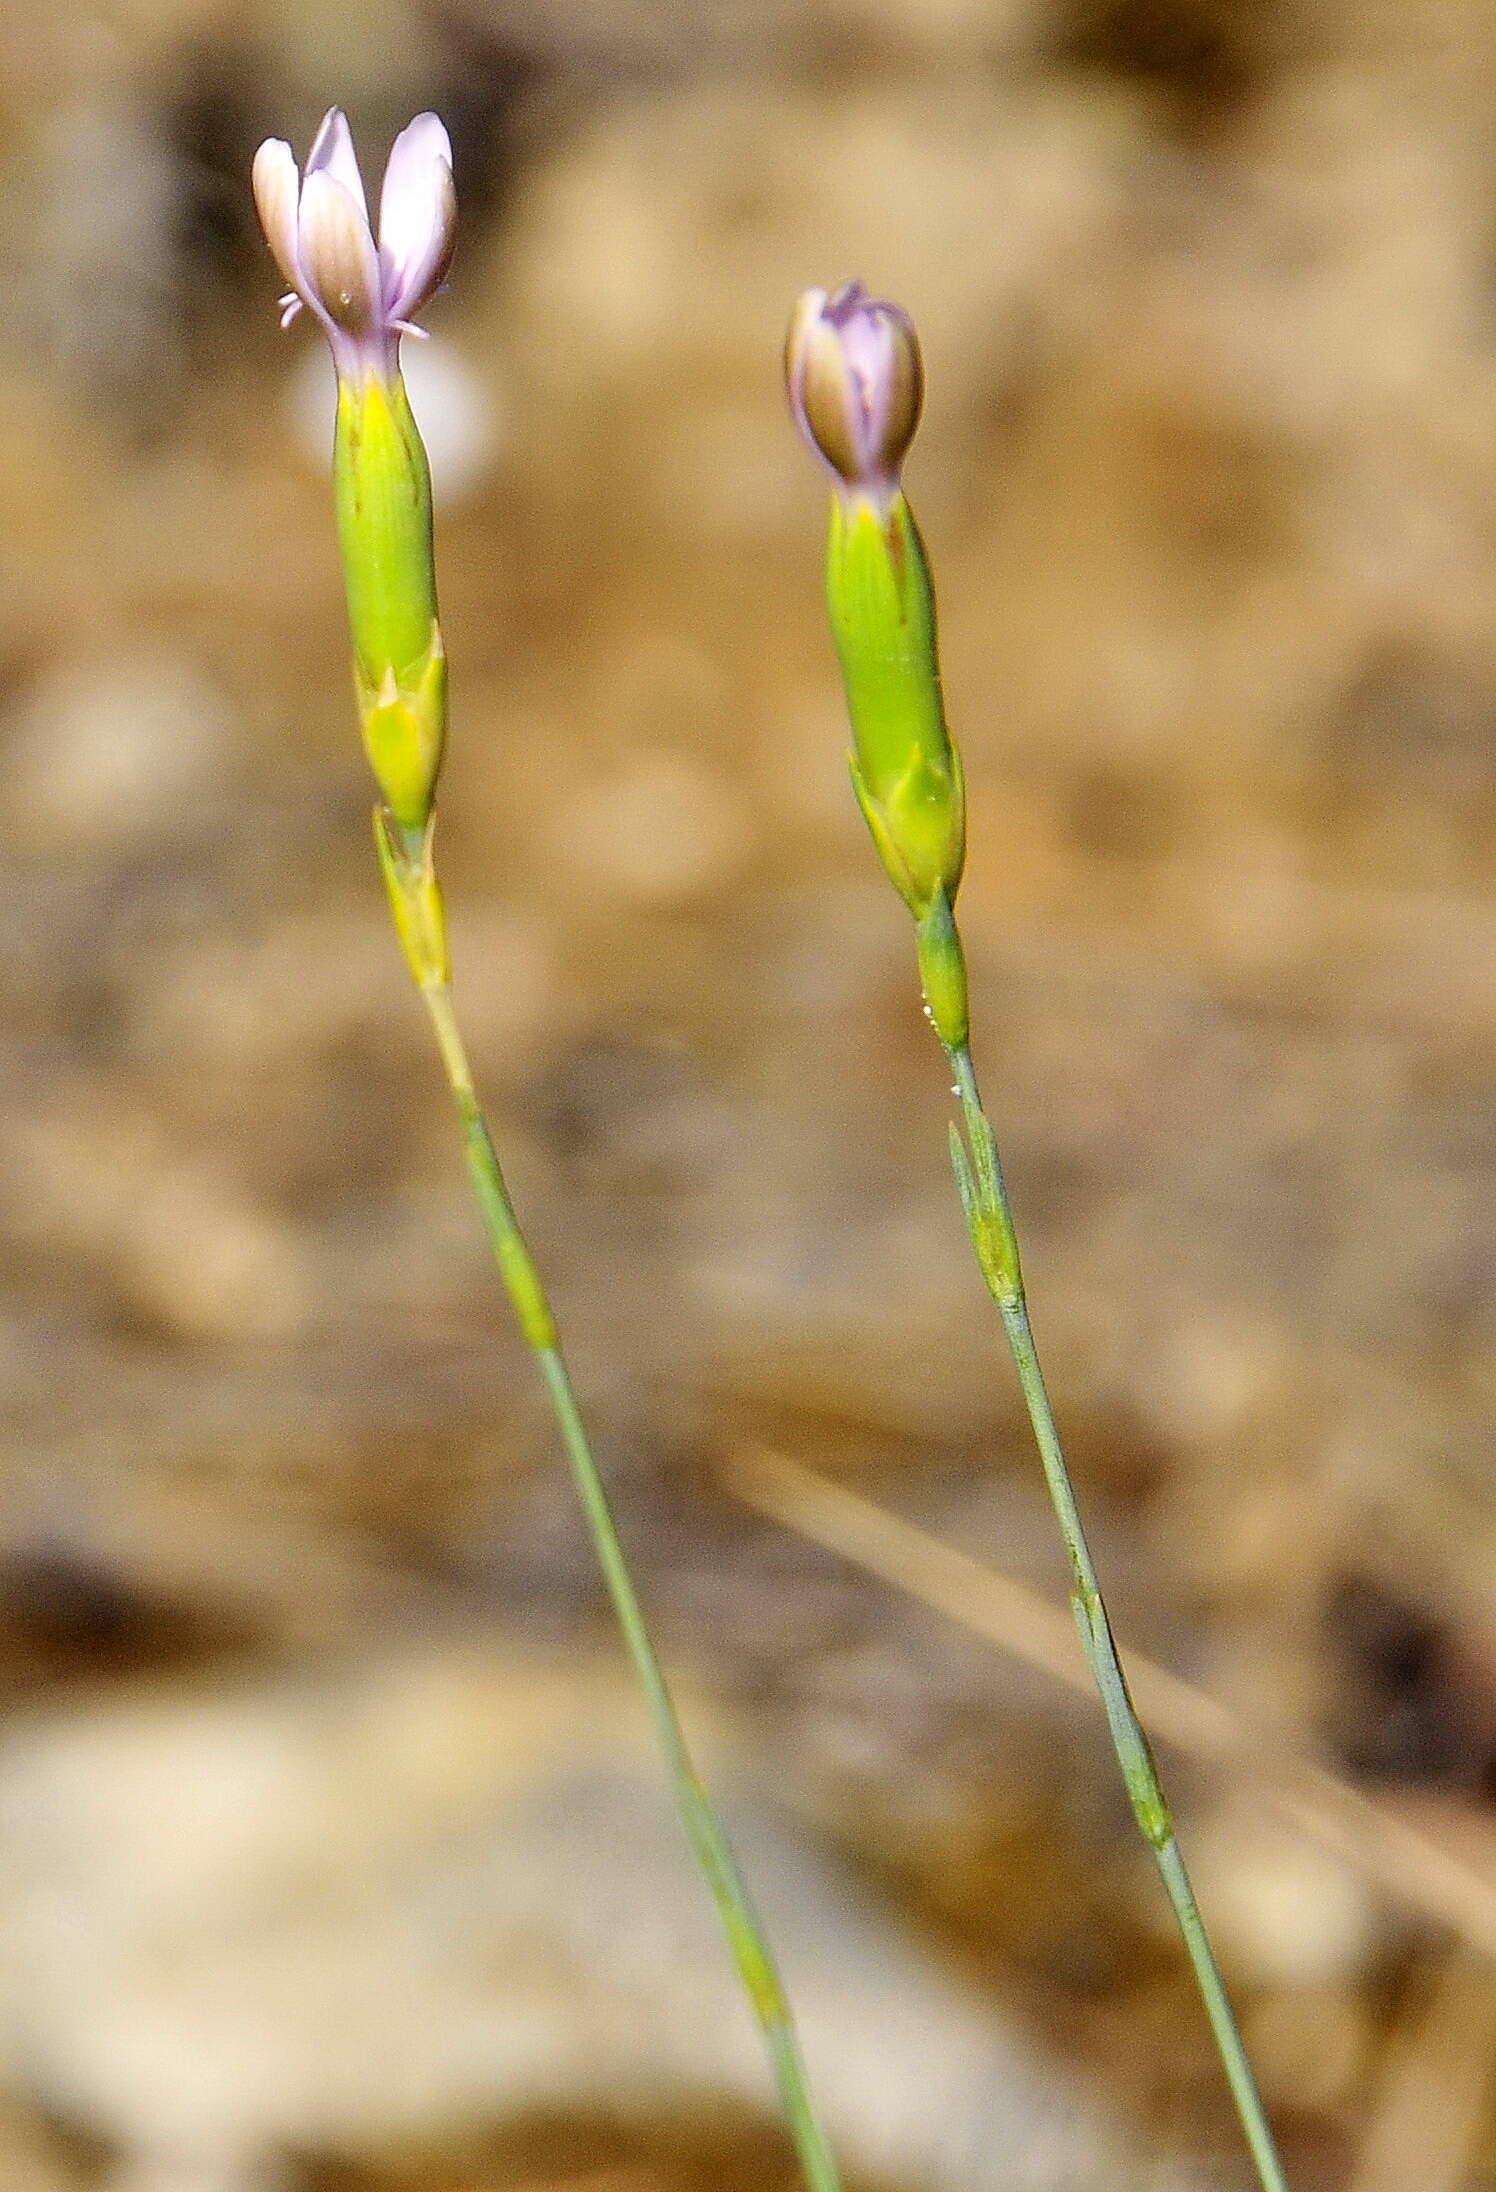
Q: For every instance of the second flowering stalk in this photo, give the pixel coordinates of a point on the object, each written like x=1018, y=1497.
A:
x=856, y=380
x=364, y=295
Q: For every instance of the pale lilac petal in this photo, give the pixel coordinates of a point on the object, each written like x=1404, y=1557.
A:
x=416, y=152
x=277, y=187
x=417, y=215
x=332, y=153
x=808, y=310
x=339, y=265
x=831, y=402
x=410, y=285
x=882, y=358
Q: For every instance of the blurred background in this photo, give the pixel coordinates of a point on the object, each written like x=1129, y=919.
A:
x=332, y=1855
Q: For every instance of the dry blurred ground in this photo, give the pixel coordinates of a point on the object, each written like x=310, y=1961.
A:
x=1209, y=298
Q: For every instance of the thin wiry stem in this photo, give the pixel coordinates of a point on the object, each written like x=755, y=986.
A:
x=989, y=1215
x=710, y=1847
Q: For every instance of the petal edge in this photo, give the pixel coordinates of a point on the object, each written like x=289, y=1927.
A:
x=277, y=191
x=332, y=154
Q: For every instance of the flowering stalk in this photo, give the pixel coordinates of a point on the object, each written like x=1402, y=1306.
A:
x=855, y=382
x=364, y=295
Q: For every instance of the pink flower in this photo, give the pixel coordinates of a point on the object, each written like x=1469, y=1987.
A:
x=856, y=382
x=317, y=225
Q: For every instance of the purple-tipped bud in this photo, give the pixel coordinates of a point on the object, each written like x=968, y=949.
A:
x=317, y=225
x=856, y=381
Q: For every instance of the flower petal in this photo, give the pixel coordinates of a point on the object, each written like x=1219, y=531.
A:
x=413, y=284
x=277, y=187
x=417, y=215
x=339, y=265
x=831, y=401
x=901, y=394
x=332, y=153
x=808, y=309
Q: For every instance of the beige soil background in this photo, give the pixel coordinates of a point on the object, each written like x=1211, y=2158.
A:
x=320, y=1854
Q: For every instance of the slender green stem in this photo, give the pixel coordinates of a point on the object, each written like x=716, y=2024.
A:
x=704, y=1831
x=989, y=1214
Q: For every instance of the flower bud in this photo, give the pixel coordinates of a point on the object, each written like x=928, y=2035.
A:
x=856, y=381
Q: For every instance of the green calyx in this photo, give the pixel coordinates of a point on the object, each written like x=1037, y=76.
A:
x=905, y=771
x=383, y=490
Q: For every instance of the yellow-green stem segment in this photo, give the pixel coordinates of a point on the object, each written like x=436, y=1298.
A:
x=416, y=903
